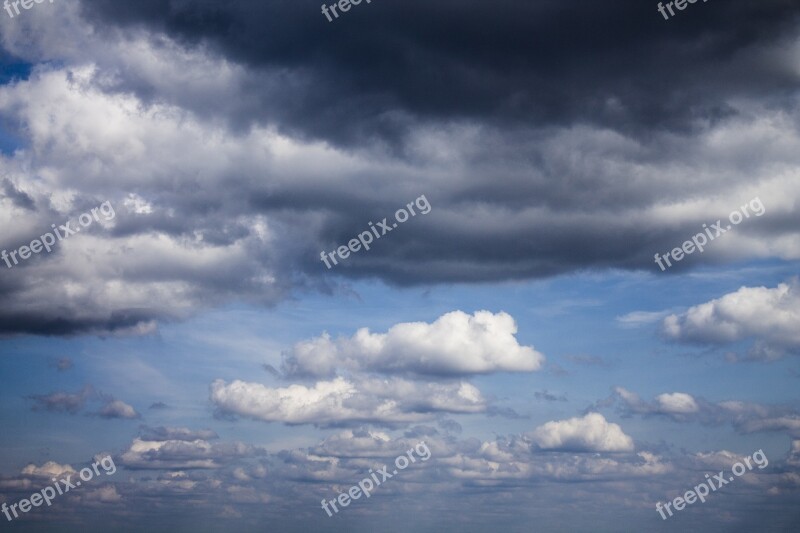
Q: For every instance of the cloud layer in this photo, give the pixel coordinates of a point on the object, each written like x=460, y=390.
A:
x=388, y=401
x=228, y=188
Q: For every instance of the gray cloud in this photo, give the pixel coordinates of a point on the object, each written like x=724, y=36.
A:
x=163, y=433
x=745, y=417
x=18, y=198
x=549, y=397
x=501, y=63
x=242, y=486
x=118, y=409
x=182, y=454
x=74, y=403
x=62, y=401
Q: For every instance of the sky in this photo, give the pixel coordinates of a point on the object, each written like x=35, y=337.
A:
x=543, y=253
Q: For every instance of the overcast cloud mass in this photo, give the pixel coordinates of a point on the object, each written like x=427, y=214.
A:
x=521, y=328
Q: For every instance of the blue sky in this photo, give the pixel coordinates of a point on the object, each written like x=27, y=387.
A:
x=574, y=320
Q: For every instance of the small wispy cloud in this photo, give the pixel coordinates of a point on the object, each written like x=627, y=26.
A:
x=638, y=319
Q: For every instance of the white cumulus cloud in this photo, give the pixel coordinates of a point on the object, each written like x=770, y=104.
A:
x=591, y=433
x=771, y=317
x=455, y=344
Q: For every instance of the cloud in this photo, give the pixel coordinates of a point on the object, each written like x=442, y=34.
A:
x=676, y=402
x=478, y=79
x=50, y=469
x=495, y=466
x=770, y=317
x=17, y=197
x=196, y=475
x=789, y=424
x=682, y=407
x=794, y=454
x=73, y=403
x=679, y=406
x=361, y=442
x=128, y=299
x=591, y=433
x=547, y=396
x=673, y=404
x=62, y=401
x=118, y=104
x=511, y=461
x=179, y=454
x=342, y=401
x=118, y=409
x=454, y=344
x=105, y=494
x=163, y=433
x=636, y=319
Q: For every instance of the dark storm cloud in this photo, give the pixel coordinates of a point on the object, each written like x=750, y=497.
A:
x=56, y=321
x=548, y=138
x=380, y=68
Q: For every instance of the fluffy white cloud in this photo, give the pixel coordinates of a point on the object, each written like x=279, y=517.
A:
x=455, y=344
x=347, y=401
x=677, y=402
x=769, y=316
x=591, y=433
x=50, y=469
